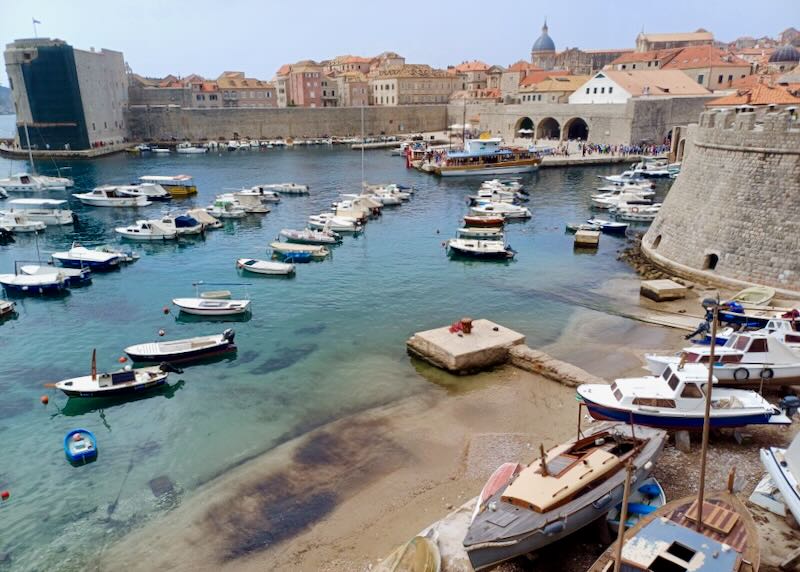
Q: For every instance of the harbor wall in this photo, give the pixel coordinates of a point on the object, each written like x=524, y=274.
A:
x=641, y=120
x=164, y=123
x=733, y=215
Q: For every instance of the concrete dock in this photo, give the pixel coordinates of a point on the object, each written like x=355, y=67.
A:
x=662, y=290
x=461, y=353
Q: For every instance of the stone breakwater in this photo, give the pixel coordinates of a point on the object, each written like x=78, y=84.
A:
x=732, y=217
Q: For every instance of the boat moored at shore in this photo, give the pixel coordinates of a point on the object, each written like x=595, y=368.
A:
x=486, y=157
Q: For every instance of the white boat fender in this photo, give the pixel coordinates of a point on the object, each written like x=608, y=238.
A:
x=767, y=373
x=161, y=332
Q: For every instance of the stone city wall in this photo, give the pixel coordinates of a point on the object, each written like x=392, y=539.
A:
x=162, y=123
x=733, y=215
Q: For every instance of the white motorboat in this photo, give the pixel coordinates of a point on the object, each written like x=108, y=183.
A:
x=203, y=217
x=628, y=186
x=480, y=248
x=74, y=276
x=147, y=230
x=359, y=207
x=3, y=194
x=226, y=209
x=53, y=283
x=624, y=177
x=286, y=188
x=505, y=210
x=183, y=225
x=614, y=198
x=182, y=351
x=7, y=307
x=187, y=148
x=254, y=144
x=512, y=185
x=332, y=222
x=18, y=222
x=783, y=466
x=248, y=202
x=309, y=236
x=125, y=256
x=233, y=145
x=393, y=189
x=124, y=382
x=386, y=199
x=636, y=213
x=748, y=358
x=266, y=196
x=151, y=191
x=26, y=182
x=613, y=190
x=487, y=233
x=211, y=306
x=265, y=266
x=81, y=257
x=48, y=211
x=244, y=145
x=160, y=150
x=109, y=196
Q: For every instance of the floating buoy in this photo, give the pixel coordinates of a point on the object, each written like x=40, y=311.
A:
x=4, y=495
x=161, y=332
x=44, y=399
x=122, y=359
x=166, y=309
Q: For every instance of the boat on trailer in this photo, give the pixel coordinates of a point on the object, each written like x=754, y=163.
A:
x=180, y=351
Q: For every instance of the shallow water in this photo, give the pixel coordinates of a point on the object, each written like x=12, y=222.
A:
x=326, y=343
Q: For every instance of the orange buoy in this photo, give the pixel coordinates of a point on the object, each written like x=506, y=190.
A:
x=161, y=332
x=166, y=309
x=122, y=359
x=4, y=495
x=44, y=399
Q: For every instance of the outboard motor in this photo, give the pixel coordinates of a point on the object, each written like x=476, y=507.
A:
x=789, y=404
x=167, y=367
x=228, y=335
x=702, y=328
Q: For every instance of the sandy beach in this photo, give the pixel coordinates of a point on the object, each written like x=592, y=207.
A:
x=342, y=496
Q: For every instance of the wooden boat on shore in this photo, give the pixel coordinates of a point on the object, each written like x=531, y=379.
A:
x=668, y=539
x=181, y=351
x=753, y=296
x=80, y=446
x=567, y=488
x=268, y=267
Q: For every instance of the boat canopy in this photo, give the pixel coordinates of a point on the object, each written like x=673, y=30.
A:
x=54, y=203
x=168, y=179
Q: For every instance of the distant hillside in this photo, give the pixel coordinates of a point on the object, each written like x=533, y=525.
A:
x=6, y=104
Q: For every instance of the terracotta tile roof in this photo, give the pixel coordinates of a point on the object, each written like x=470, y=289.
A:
x=560, y=83
x=698, y=36
x=535, y=77
x=523, y=66
x=237, y=80
x=694, y=57
x=284, y=69
x=475, y=65
x=348, y=59
x=651, y=56
x=656, y=82
x=760, y=94
x=752, y=80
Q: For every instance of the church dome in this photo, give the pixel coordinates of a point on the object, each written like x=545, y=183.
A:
x=786, y=53
x=544, y=43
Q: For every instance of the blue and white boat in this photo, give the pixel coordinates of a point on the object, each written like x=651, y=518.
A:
x=75, y=276
x=487, y=157
x=81, y=257
x=22, y=284
x=676, y=400
x=80, y=446
x=609, y=226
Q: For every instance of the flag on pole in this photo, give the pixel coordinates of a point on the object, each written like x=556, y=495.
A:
x=35, y=21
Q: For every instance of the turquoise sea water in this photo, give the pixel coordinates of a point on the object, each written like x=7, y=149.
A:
x=321, y=345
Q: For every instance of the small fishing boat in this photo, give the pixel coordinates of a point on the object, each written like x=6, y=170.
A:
x=249, y=203
x=754, y=318
x=636, y=213
x=7, y=307
x=75, y=276
x=81, y=257
x=645, y=499
x=480, y=248
x=265, y=267
x=180, y=351
x=122, y=382
x=187, y=148
x=266, y=195
x=508, y=211
x=574, y=227
x=286, y=188
x=147, y=230
x=754, y=296
x=676, y=400
x=177, y=185
x=202, y=216
x=44, y=284
x=80, y=446
x=608, y=226
x=615, y=198
x=224, y=209
x=27, y=182
x=109, y=196
x=151, y=191
x=49, y=211
x=420, y=554
x=329, y=221
x=20, y=223
x=566, y=488
x=183, y=225
x=288, y=248
x=487, y=233
x=309, y=236
x=160, y=150
x=624, y=177
x=783, y=466
x=484, y=221
x=212, y=307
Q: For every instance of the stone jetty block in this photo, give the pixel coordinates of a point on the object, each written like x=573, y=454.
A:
x=662, y=290
x=487, y=345
x=587, y=238
x=547, y=366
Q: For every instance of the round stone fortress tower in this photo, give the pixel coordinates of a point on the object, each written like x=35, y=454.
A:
x=733, y=215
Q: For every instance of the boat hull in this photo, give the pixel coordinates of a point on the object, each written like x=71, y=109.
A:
x=35, y=290
x=117, y=392
x=783, y=479
x=481, y=255
x=512, y=168
x=606, y=413
x=182, y=357
x=95, y=265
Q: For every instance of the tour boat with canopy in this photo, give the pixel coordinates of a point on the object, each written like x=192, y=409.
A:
x=486, y=157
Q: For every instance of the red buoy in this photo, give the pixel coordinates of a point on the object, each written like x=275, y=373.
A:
x=166, y=309
x=4, y=495
x=44, y=399
x=122, y=359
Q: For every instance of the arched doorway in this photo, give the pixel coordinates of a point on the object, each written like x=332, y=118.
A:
x=548, y=128
x=524, y=128
x=679, y=153
x=576, y=129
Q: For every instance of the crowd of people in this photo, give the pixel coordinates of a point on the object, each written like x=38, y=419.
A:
x=605, y=149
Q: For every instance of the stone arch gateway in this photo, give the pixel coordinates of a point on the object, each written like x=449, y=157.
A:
x=548, y=128
x=524, y=127
x=576, y=128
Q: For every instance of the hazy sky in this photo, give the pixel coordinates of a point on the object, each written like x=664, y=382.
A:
x=211, y=36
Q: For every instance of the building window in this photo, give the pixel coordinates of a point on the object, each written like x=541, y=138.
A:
x=602, y=90
x=595, y=90
x=93, y=127
x=624, y=66
x=587, y=90
x=633, y=67
x=105, y=125
x=719, y=79
x=710, y=262
x=213, y=97
x=730, y=78
x=700, y=79
x=10, y=84
x=610, y=89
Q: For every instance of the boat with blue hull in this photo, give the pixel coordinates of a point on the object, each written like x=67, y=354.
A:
x=81, y=257
x=676, y=400
x=39, y=285
x=75, y=277
x=80, y=446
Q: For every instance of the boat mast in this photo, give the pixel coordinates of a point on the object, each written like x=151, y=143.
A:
x=30, y=153
x=363, y=143
x=464, y=125
x=706, y=418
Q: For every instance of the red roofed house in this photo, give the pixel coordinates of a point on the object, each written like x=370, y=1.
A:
x=759, y=95
x=472, y=75
x=513, y=75
x=281, y=81
x=304, y=85
x=240, y=91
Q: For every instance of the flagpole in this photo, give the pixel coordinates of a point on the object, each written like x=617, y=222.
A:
x=35, y=35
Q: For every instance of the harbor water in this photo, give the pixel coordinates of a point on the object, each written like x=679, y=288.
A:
x=321, y=345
